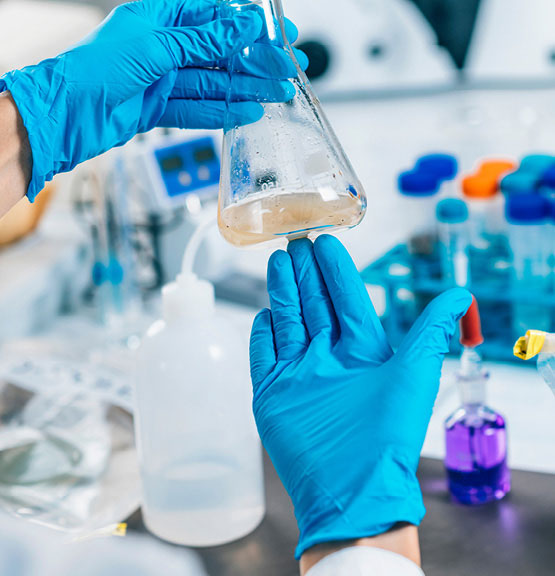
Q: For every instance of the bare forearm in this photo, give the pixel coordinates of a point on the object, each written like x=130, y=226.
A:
x=402, y=540
x=15, y=155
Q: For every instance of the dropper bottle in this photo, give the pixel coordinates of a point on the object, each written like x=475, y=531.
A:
x=475, y=435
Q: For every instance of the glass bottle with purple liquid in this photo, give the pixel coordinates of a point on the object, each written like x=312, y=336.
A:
x=475, y=435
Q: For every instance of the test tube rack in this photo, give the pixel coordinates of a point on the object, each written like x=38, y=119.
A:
x=411, y=281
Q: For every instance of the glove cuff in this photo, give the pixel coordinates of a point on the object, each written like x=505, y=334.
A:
x=389, y=493
x=45, y=82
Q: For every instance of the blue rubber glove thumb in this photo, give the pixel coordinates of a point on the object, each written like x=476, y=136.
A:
x=342, y=417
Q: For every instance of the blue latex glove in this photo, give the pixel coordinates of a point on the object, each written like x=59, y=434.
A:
x=148, y=64
x=342, y=417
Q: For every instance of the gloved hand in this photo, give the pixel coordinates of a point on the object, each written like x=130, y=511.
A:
x=342, y=417
x=150, y=63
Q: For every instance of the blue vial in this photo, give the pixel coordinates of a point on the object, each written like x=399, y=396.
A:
x=529, y=216
x=419, y=191
x=454, y=241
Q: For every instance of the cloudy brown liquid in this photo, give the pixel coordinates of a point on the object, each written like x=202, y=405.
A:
x=287, y=216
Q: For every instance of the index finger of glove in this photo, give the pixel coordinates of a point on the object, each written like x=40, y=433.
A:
x=201, y=45
x=290, y=334
x=262, y=349
x=181, y=12
x=318, y=312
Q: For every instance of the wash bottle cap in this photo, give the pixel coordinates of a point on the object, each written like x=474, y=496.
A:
x=441, y=166
x=187, y=297
x=416, y=183
x=479, y=186
x=495, y=168
x=471, y=327
x=527, y=209
x=452, y=211
x=537, y=163
x=519, y=182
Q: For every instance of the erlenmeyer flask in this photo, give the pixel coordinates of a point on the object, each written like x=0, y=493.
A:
x=285, y=175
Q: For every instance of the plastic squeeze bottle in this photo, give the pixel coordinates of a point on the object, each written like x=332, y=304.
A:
x=199, y=451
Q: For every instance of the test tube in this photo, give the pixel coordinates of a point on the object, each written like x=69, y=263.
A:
x=452, y=220
x=485, y=207
x=528, y=215
x=443, y=167
x=419, y=191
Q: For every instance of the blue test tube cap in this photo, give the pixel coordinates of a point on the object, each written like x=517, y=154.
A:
x=527, y=209
x=537, y=163
x=519, y=182
x=417, y=183
x=548, y=178
x=452, y=211
x=442, y=166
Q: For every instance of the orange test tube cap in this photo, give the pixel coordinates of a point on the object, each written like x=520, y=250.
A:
x=495, y=168
x=479, y=186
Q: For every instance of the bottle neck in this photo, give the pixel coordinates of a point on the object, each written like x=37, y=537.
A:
x=472, y=379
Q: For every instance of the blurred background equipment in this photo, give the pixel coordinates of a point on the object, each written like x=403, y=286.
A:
x=513, y=42
x=24, y=217
x=494, y=241
x=32, y=30
x=372, y=45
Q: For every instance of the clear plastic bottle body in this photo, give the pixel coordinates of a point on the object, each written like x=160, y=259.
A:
x=286, y=175
x=546, y=368
x=199, y=452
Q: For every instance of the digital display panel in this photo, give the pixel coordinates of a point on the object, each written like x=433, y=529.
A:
x=171, y=163
x=204, y=154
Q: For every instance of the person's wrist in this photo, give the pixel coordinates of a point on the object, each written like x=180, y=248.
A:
x=388, y=493
x=15, y=153
x=402, y=539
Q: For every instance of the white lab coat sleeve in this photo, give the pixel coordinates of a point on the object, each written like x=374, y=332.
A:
x=365, y=561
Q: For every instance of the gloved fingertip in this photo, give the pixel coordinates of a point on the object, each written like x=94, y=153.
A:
x=456, y=300
x=251, y=26
x=302, y=59
x=326, y=244
x=291, y=31
x=278, y=259
x=289, y=91
x=298, y=246
x=243, y=113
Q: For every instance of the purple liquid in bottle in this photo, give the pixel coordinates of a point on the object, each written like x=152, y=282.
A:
x=476, y=455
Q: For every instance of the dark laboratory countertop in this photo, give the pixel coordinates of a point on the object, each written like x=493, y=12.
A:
x=513, y=537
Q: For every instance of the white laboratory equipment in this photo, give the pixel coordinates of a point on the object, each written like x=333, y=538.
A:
x=199, y=452
x=512, y=41
x=174, y=178
x=369, y=45
x=33, y=30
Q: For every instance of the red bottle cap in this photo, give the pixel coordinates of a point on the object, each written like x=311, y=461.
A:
x=471, y=328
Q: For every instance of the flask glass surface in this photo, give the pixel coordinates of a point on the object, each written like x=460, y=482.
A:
x=285, y=175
